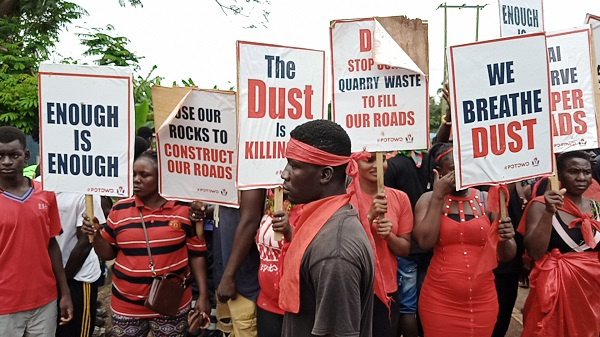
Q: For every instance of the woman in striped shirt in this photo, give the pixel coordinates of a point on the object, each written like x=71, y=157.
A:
x=175, y=249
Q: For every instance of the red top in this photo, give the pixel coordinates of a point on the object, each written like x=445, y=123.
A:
x=27, y=223
x=171, y=237
x=401, y=215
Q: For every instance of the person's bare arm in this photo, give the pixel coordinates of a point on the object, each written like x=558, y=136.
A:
x=78, y=255
x=251, y=210
x=428, y=211
x=65, y=305
x=539, y=223
x=399, y=245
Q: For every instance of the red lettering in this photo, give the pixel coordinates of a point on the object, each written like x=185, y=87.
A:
x=480, y=143
x=578, y=119
x=365, y=40
x=577, y=99
x=295, y=112
x=498, y=139
x=256, y=88
x=571, y=99
x=517, y=144
x=529, y=123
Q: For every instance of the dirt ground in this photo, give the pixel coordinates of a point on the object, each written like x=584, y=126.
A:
x=516, y=324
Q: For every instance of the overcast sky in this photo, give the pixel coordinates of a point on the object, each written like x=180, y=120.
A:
x=194, y=38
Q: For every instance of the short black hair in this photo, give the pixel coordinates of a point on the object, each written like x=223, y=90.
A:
x=9, y=134
x=562, y=159
x=324, y=135
x=436, y=150
x=141, y=145
x=145, y=132
x=150, y=155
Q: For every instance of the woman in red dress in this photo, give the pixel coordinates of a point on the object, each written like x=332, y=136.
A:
x=562, y=233
x=458, y=297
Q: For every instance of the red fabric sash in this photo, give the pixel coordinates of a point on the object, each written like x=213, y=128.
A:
x=586, y=219
x=563, y=300
x=378, y=284
x=311, y=218
x=489, y=258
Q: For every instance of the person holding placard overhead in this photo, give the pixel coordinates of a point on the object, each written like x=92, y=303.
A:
x=458, y=297
x=388, y=219
x=562, y=233
x=149, y=236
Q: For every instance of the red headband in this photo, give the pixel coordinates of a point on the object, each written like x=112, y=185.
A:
x=303, y=152
x=441, y=155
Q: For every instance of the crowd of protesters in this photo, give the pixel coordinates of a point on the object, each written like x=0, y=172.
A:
x=416, y=259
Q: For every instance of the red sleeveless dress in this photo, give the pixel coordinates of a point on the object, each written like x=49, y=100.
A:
x=457, y=297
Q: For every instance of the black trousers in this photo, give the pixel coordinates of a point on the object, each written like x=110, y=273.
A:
x=84, y=296
x=507, y=288
x=268, y=323
x=385, y=321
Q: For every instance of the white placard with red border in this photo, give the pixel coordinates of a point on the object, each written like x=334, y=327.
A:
x=501, y=125
x=519, y=17
x=380, y=96
x=573, y=86
x=86, y=129
x=197, y=149
x=279, y=88
x=594, y=22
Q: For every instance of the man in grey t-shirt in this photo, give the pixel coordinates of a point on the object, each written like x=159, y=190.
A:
x=330, y=251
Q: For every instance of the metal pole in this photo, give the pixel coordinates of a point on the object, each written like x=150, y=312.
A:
x=445, y=43
x=477, y=24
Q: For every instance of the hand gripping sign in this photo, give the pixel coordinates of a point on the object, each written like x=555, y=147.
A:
x=379, y=94
x=499, y=92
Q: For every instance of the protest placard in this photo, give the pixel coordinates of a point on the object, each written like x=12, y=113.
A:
x=499, y=91
x=196, y=144
x=380, y=95
x=279, y=88
x=573, y=88
x=520, y=17
x=86, y=129
x=594, y=22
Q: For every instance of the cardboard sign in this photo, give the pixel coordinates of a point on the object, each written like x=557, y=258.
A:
x=594, y=22
x=279, y=88
x=519, y=17
x=499, y=91
x=86, y=129
x=379, y=94
x=197, y=146
x=573, y=87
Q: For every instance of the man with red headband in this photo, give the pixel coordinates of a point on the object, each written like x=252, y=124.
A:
x=327, y=284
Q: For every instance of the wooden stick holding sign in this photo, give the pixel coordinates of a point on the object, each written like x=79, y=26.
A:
x=553, y=179
x=199, y=224
x=278, y=206
x=379, y=163
x=502, y=204
x=89, y=210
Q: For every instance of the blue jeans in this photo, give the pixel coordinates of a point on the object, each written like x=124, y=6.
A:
x=407, y=285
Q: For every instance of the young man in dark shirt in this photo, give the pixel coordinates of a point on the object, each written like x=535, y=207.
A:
x=328, y=269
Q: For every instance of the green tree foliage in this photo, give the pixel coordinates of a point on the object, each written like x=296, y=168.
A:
x=111, y=50
x=435, y=113
x=28, y=32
